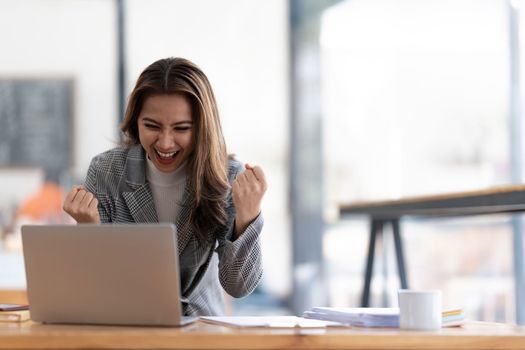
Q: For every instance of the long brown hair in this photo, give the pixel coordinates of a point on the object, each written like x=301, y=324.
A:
x=208, y=164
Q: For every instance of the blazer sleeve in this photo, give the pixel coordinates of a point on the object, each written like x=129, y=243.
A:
x=240, y=261
x=93, y=184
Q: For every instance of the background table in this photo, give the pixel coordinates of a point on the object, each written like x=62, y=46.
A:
x=503, y=199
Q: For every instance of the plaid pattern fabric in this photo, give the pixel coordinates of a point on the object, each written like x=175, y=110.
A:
x=118, y=179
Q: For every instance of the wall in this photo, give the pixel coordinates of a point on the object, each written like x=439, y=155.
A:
x=62, y=38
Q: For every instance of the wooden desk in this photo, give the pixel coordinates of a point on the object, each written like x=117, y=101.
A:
x=502, y=199
x=475, y=336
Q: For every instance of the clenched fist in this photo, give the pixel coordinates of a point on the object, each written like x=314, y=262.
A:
x=247, y=191
x=82, y=205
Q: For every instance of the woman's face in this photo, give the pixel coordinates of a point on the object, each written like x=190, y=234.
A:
x=166, y=130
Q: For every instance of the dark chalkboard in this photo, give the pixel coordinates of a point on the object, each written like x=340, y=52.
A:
x=36, y=124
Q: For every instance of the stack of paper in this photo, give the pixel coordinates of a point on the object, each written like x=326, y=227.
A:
x=14, y=316
x=453, y=317
x=375, y=317
x=360, y=316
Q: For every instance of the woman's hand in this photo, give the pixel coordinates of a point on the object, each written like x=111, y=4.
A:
x=82, y=205
x=248, y=190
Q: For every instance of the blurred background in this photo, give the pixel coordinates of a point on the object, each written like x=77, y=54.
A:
x=338, y=101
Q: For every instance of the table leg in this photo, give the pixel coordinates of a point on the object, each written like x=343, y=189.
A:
x=399, y=254
x=519, y=283
x=375, y=228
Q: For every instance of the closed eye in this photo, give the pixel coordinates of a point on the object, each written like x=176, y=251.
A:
x=182, y=128
x=151, y=126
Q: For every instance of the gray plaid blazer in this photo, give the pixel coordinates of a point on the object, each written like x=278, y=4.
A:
x=118, y=179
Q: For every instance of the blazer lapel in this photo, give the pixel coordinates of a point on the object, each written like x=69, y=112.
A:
x=184, y=227
x=137, y=193
x=141, y=205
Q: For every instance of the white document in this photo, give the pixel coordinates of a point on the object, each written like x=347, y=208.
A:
x=268, y=321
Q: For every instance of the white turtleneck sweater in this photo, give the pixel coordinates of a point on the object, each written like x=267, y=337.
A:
x=167, y=190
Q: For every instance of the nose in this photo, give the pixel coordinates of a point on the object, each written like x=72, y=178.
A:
x=165, y=141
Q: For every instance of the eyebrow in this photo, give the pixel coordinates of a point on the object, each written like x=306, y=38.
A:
x=146, y=119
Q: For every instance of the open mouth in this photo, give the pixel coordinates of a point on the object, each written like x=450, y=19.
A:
x=166, y=158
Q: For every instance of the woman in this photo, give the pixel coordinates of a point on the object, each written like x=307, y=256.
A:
x=174, y=168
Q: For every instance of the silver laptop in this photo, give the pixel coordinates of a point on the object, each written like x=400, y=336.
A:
x=103, y=274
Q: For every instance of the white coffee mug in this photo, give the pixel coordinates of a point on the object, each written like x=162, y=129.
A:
x=419, y=309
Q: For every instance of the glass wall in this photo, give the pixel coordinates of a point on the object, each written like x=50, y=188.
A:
x=416, y=100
